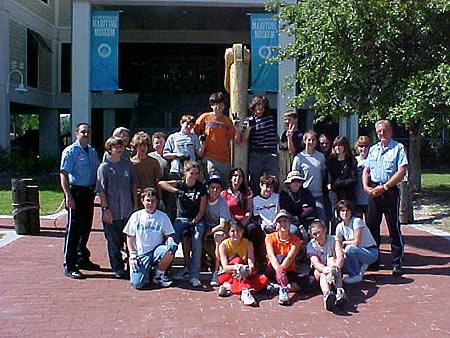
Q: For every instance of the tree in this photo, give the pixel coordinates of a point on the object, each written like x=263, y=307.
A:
x=379, y=58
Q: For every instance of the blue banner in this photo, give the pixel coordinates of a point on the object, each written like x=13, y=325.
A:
x=264, y=36
x=104, y=50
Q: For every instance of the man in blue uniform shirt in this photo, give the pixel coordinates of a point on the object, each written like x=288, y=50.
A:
x=386, y=166
x=78, y=173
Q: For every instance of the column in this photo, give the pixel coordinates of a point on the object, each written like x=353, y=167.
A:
x=81, y=39
x=348, y=127
x=4, y=70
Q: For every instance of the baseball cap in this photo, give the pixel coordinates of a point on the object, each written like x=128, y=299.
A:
x=214, y=179
x=282, y=213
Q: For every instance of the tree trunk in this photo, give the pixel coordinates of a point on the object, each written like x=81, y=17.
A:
x=415, y=168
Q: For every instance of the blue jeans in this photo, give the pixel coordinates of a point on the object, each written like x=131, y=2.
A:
x=146, y=262
x=356, y=256
x=320, y=209
x=258, y=164
x=196, y=235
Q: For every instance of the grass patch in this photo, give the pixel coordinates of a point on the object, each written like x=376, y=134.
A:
x=436, y=182
x=50, y=197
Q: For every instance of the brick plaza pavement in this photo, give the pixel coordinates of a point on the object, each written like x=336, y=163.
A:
x=36, y=300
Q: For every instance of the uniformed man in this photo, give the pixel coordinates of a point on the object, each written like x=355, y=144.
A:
x=78, y=173
x=386, y=166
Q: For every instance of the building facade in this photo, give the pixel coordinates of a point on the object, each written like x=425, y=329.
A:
x=171, y=57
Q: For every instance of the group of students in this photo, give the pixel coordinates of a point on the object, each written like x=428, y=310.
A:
x=152, y=201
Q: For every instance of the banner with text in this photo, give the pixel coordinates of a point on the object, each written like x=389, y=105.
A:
x=104, y=50
x=264, y=36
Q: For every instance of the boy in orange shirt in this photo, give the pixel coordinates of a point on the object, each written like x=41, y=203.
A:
x=218, y=131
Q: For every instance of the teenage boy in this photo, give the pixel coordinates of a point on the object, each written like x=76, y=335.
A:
x=116, y=187
x=182, y=146
x=218, y=131
x=150, y=239
x=147, y=168
x=266, y=205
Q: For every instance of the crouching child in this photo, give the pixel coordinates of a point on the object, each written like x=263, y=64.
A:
x=150, y=240
x=327, y=259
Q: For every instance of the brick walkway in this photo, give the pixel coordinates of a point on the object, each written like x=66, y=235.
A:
x=36, y=300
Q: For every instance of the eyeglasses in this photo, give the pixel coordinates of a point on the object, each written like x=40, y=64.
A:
x=295, y=180
x=362, y=146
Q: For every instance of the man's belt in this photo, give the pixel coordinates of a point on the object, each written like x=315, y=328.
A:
x=81, y=187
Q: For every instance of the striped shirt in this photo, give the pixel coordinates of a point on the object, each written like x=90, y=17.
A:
x=263, y=136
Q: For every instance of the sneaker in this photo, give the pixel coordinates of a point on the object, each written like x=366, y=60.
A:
x=329, y=300
x=224, y=290
x=214, y=281
x=195, y=282
x=183, y=274
x=341, y=297
x=162, y=280
x=247, y=297
x=354, y=279
x=283, y=296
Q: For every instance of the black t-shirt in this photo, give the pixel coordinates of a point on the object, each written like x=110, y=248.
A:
x=189, y=204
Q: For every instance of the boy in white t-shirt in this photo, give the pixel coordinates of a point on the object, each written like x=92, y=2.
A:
x=150, y=240
x=266, y=204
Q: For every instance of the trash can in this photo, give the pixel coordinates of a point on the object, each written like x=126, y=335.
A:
x=25, y=201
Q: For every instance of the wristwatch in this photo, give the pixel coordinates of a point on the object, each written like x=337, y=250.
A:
x=105, y=208
x=385, y=187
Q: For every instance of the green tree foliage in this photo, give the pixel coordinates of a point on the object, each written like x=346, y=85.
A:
x=379, y=58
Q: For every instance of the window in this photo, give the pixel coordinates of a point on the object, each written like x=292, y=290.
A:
x=65, y=67
x=32, y=60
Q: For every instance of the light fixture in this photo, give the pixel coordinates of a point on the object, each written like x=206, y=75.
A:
x=21, y=87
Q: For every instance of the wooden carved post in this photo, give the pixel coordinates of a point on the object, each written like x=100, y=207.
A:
x=237, y=60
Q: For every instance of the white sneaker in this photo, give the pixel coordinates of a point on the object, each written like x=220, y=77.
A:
x=195, y=282
x=354, y=279
x=247, y=297
x=224, y=290
x=283, y=296
x=162, y=280
x=363, y=269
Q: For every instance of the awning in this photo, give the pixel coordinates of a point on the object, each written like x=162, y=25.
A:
x=41, y=41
